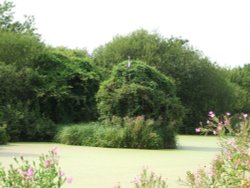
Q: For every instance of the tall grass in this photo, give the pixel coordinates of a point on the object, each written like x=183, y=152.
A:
x=133, y=133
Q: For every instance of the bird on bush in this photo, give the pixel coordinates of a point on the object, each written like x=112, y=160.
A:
x=129, y=62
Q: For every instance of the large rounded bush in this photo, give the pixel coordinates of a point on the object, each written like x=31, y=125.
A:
x=69, y=85
x=136, y=89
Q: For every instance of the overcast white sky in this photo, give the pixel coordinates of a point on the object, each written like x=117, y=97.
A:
x=218, y=28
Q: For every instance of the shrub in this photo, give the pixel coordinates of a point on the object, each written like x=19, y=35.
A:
x=147, y=180
x=25, y=125
x=3, y=135
x=30, y=175
x=231, y=168
x=116, y=133
x=81, y=134
x=69, y=85
x=135, y=132
x=136, y=89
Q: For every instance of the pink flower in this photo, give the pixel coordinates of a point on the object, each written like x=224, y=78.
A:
x=245, y=115
x=61, y=173
x=211, y=172
x=136, y=181
x=30, y=172
x=69, y=179
x=228, y=114
x=46, y=163
x=198, y=130
x=211, y=114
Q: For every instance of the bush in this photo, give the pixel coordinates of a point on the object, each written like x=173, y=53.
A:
x=116, y=133
x=147, y=180
x=69, y=85
x=136, y=89
x=30, y=175
x=81, y=134
x=25, y=125
x=3, y=135
x=231, y=168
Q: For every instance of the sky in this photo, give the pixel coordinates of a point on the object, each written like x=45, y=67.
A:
x=218, y=28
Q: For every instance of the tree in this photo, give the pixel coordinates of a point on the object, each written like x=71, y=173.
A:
x=70, y=83
x=240, y=77
x=8, y=23
x=139, y=45
x=18, y=48
x=200, y=84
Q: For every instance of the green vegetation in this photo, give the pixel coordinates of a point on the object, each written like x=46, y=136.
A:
x=231, y=166
x=136, y=89
x=3, y=136
x=116, y=133
x=165, y=81
x=68, y=85
x=200, y=84
x=26, y=174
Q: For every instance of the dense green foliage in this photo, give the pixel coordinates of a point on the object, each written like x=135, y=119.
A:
x=43, y=86
x=241, y=78
x=19, y=49
x=19, y=109
x=69, y=84
x=201, y=85
x=52, y=88
x=116, y=133
x=136, y=89
x=3, y=135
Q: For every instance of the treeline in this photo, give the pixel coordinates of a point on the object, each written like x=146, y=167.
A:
x=42, y=86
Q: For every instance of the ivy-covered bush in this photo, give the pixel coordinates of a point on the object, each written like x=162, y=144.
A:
x=69, y=85
x=58, y=86
x=136, y=89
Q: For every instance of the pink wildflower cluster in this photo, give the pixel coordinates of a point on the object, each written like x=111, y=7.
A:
x=45, y=174
x=231, y=168
x=28, y=174
x=214, y=124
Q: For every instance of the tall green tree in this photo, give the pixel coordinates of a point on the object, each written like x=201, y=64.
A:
x=201, y=85
x=20, y=49
x=8, y=22
x=240, y=77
